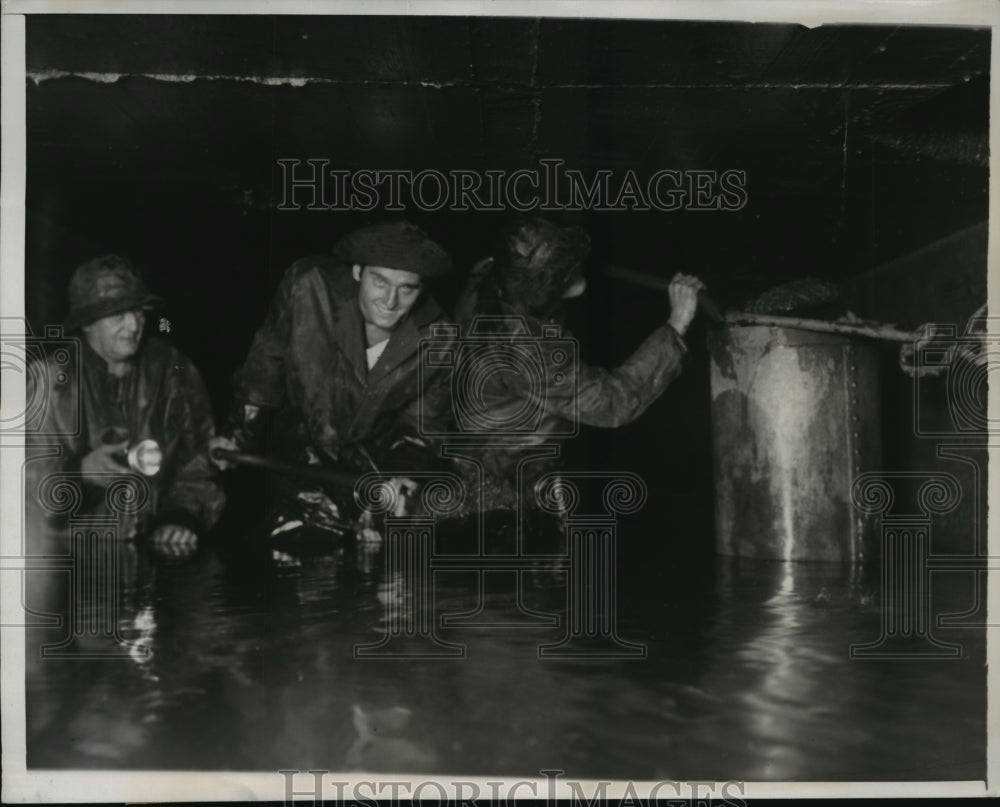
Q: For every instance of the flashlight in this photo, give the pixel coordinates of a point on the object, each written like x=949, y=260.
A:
x=145, y=457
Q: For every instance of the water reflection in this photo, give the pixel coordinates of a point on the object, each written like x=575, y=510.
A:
x=238, y=660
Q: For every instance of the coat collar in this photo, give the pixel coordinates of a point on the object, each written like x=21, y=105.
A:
x=348, y=327
x=405, y=340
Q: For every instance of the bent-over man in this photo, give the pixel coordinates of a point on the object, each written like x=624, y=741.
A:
x=536, y=269
x=132, y=390
x=332, y=374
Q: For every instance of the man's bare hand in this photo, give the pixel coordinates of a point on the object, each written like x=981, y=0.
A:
x=225, y=443
x=106, y=459
x=174, y=540
x=404, y=488
x=683, y=301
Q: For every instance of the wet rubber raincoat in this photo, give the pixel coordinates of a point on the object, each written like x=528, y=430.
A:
x=162, y=398
x=306, y=381
x=531, y=408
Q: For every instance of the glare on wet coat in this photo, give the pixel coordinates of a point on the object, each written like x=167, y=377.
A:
x=162, y=398
x=576, y=394
x=307, y=364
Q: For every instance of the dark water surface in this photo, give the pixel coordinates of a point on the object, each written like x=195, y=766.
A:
x=241, y=662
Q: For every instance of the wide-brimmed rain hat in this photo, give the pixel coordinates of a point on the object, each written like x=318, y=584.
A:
x=104, y=286
x=538, y=260
x=394, y=245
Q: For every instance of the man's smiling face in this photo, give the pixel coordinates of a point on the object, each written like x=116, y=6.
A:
x=386, y=295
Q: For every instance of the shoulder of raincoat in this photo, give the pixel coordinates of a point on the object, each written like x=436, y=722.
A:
x=307, y=365
x=163, y=398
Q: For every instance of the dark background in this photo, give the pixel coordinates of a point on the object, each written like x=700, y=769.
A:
x=865, y=150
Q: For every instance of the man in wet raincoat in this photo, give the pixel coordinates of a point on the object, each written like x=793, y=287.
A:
x=518, y=297
x=128, y=388
x=333, y=373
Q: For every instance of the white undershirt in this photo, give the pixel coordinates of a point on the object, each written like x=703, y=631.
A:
x=375, y=351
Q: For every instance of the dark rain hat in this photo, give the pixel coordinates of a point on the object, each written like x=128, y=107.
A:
x=104, y=286
x=394, y=245
x=538, y=261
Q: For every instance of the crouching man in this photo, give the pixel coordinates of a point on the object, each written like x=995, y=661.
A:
x=526, y=283
x=332, y=374
x=142, y=408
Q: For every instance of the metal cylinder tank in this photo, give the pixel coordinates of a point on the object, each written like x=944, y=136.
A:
x=795, y=419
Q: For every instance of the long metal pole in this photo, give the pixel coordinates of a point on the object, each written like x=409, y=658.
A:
x=874, y=330
x=330, y=476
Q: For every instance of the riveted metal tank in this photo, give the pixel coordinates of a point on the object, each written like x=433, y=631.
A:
x=795, y=419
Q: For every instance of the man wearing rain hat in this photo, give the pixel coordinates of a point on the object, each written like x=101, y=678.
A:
x=142, y=407
x=332, y=374
x=536, y=267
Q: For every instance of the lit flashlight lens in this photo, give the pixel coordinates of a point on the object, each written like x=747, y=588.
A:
x=145, y=457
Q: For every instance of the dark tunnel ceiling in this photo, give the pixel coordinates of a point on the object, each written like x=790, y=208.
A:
x=501, y=51
x=792, y=106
